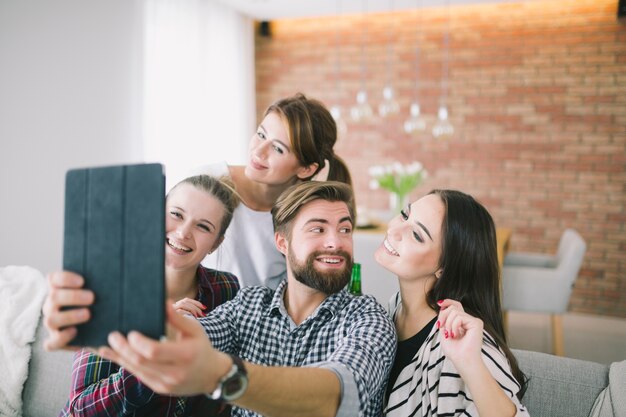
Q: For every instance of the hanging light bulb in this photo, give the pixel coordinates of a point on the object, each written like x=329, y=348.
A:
x=335, y=110
x=362, y=111
x=389, y=105
x=342, y=127
x=415, y=123
x=443, y=128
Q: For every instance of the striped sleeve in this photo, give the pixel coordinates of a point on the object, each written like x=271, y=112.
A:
x=455, y=399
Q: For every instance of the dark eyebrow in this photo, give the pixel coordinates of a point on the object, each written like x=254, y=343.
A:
x=316, y=221
x=425, y=230
x=324, y=221
x=346, y=219
x=275, y=140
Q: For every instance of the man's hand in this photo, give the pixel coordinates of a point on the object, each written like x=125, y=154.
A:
x=185, y=364
x=65, y=290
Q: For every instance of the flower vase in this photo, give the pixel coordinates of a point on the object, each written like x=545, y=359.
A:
x=397, y=202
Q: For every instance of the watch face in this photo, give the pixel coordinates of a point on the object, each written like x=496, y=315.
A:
x=233, y=385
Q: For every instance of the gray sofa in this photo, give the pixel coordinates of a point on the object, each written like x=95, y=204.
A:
x=48, y=384
x=558, y=386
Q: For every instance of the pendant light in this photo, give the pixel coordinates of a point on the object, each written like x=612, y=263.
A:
x=362, y=111
x=389, y=105
x=336, y=111
x=416, y=123
x=443, y=128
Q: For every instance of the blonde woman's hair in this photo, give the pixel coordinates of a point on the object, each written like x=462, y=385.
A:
x=221, y=188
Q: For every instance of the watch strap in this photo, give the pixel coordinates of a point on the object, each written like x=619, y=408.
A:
x=237, y=376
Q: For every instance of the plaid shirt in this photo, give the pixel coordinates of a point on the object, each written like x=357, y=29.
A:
x=101, y=388
x=352, y=336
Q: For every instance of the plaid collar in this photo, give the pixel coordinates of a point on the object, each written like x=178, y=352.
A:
x=332, y=305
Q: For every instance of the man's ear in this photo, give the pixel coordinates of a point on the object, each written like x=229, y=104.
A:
x=281, y=243
x=307, y=171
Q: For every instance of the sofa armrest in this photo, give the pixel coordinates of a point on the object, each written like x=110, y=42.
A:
x=47, y=387
x=560, y=386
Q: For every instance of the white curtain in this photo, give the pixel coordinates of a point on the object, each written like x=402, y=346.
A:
x=199, y=93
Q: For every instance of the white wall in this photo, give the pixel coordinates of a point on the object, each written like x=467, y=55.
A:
x=199, y=105
x=68, y=97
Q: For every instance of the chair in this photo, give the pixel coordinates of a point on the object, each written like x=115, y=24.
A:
x=543, y=283
x=375, y=279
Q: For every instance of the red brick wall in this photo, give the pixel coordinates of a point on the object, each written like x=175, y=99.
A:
x=538, y=99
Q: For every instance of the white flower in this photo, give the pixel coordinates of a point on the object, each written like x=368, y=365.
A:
x=397, y=178
x=398, y=168
x=376, y=171
x=414, y=168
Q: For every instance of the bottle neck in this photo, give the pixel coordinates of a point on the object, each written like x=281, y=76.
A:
x=355, y=280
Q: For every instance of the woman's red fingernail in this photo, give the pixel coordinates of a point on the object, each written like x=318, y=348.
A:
x=438, y=324
x=440, y=302
x=445, y=333
x=452, y=335
x=203, y=307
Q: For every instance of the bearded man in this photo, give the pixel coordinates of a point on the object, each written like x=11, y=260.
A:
x=308, y=348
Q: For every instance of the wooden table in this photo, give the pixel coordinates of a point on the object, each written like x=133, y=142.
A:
x=503, y=238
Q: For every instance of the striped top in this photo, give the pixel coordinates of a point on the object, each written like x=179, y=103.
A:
x=430, y=385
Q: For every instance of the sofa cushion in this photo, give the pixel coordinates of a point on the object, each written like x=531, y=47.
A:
x=48, y=385
x=560, y=386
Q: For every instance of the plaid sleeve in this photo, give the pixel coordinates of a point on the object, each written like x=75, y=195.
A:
x=100, y=387
x=367, y=349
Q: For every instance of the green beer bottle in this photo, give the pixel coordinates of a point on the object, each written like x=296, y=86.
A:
x=355, y=281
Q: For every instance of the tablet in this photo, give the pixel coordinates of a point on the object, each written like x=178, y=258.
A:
x=114, y=235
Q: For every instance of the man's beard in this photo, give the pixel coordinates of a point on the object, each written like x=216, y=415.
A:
x=328, y=282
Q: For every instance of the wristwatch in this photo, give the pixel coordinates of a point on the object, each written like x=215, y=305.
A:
x=233, y=384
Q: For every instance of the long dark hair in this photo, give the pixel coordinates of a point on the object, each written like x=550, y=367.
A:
x=313, y=134
x=471, y=274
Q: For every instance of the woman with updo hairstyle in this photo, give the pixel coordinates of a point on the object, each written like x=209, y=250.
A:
x=293, y=143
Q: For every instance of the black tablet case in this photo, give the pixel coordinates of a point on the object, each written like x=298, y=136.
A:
x=114, y=237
